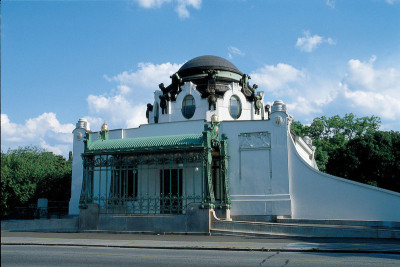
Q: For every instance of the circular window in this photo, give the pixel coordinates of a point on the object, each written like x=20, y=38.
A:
x=188, y=106
x=235, y=107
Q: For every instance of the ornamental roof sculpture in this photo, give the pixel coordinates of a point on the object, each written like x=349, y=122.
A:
x=212, y=76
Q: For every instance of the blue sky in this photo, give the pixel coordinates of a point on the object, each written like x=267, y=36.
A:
x=102, y=60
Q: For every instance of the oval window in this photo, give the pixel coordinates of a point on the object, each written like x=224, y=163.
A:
x=188, y=106
x=235, y=107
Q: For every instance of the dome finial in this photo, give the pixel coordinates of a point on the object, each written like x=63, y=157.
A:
x=104, y=127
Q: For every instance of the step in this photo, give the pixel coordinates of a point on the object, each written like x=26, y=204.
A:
x=301, y=230
x=371, y=224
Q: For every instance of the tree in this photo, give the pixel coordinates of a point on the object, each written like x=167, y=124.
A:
x=30, y=173
x=373, y=159
x=355, y=149
x=330, y=134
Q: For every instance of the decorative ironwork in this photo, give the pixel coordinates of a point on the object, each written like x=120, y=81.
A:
x=146, y=204
x=143, y=159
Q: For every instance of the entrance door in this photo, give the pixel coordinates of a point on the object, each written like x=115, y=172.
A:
x=170, y=191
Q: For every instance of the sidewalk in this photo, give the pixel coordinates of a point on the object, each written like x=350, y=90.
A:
x=201, y=242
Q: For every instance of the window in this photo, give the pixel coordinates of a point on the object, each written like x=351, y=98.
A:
x=171, y=191
x=124, y=184
x=235, y=107
x=188, y=106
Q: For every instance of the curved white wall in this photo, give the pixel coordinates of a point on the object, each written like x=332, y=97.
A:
x=316, y=195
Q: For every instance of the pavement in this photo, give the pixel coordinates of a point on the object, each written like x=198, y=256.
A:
x=203, y=242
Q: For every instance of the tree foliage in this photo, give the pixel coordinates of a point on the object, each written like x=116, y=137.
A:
x=30, y=173
x=354, y=148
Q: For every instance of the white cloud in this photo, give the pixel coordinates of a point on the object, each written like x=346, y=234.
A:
x=373, y=90
x=58, y=149
x=94, y=123
x=308, y=43
x=330, y=3
x=292, y=85
x=44, y=127
x=148, y=76
x=304, y=93
x=303, y=106
x=234, y=51
x=117, y=111
x=126, y=106
x=151, y=3
x=181, y=6
x=273, y=78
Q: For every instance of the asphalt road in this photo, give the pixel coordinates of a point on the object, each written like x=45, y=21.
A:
x=32, y=255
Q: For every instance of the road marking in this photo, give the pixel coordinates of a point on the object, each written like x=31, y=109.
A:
x=272, y=259
x=113, y=254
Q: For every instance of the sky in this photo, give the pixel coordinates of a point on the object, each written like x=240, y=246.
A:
x=102, y=60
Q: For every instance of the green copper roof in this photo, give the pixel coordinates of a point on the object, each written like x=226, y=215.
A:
x=147, y=143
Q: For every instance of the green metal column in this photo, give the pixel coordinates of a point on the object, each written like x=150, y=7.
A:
x=224, y=168
x=209, y=200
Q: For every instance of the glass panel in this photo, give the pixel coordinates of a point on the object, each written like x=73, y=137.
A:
x=235, y=107
x=172, y=191
x=188, y=106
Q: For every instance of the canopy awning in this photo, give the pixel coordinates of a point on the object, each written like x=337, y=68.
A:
x=142, y=144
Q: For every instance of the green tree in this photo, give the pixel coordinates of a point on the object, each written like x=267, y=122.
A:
x=373, y=159
x=30, y=173
x=330, y=134
x=355, y=149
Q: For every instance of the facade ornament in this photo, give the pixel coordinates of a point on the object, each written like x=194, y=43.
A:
x=211, y=89
x=214, y=119
x=245, y=81
x=257, y=104
x=268, y=109
x=212, y=101
x=163, y=104
x=149, y=109
x=82, y=123
x=163, y=88
x=278, y=121
x=104, y=131
x=260, y=140
x=171, y=91
x=278, y=106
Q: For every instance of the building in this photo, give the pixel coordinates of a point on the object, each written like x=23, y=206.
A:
x=210, y=148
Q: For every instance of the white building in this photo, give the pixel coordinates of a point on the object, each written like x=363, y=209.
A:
x=210, y=144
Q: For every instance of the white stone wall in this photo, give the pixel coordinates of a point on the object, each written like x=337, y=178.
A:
x=258, y=166
x=316, y=195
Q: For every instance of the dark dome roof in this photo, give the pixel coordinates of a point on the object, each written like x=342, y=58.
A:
x=207, y=63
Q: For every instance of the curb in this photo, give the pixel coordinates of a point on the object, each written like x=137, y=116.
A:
x=309, y=250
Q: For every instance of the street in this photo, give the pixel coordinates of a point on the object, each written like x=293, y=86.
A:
x=43, y=255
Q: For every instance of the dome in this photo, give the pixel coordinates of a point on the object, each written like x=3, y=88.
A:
x=206, y=63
